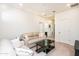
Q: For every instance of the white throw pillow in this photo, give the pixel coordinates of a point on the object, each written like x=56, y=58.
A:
x=17, y=43
x=41, y=35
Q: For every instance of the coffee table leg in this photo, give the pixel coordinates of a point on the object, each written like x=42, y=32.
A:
x=45, y=51
x=36, y=46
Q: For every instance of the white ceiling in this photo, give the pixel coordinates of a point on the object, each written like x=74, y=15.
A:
x=41, y=8
x=46, y=7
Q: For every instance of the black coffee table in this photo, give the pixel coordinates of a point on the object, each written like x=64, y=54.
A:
x=40, y=46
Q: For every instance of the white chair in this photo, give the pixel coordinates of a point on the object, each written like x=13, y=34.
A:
x=20, y=48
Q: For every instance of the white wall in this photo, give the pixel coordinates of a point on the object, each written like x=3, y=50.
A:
x=14, y=22
x=0, y=25
x=67, y=26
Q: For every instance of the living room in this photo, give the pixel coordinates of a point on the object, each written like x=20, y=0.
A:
x=33, y=23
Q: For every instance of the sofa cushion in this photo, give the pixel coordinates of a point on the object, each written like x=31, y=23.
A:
x=32, y=35
x=35, y=40
x=32, y=38
x=24, y=52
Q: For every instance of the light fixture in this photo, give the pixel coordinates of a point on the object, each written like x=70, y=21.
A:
x=68, y=5
x=20, y=4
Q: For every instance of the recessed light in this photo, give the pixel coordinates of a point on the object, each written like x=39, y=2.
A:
x=20, y=4
x=68, y=5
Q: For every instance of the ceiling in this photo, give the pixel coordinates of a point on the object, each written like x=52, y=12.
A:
x=42, y=9
x=45, y=8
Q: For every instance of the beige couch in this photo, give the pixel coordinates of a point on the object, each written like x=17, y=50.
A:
x=33, y=37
